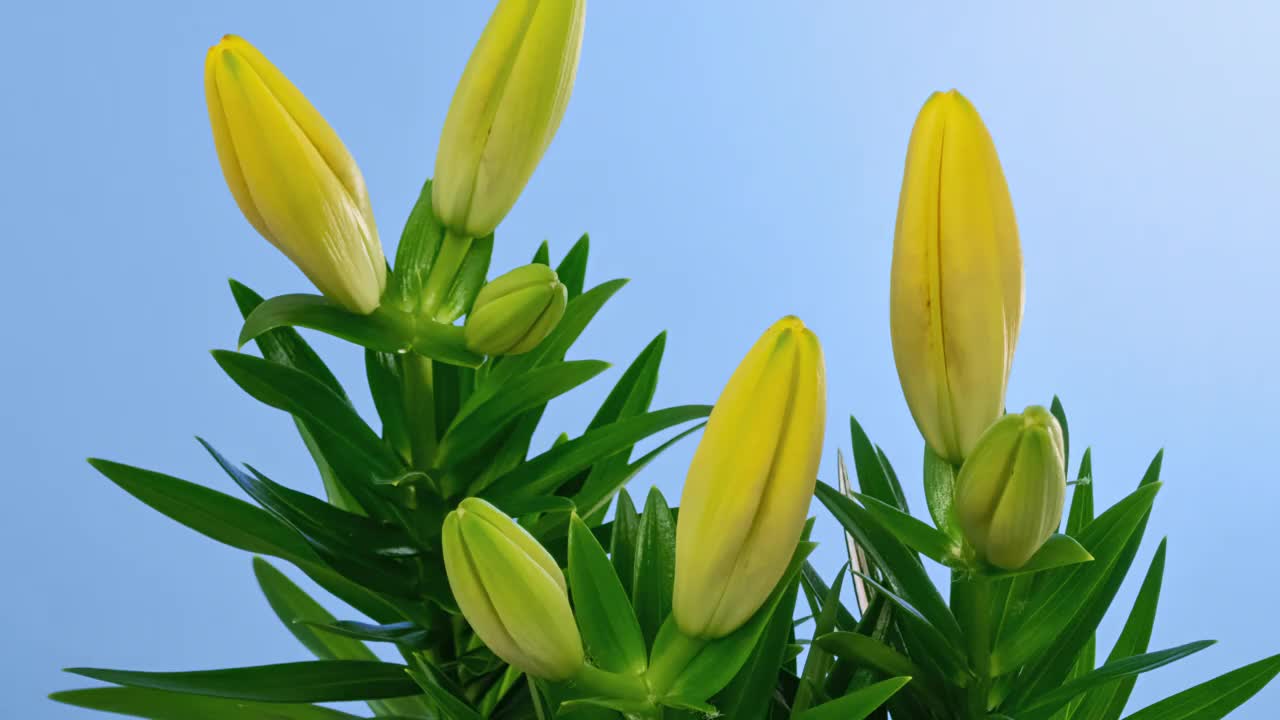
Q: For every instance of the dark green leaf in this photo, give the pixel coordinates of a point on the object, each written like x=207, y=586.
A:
x=1107, y=702
x=1045, y=705
x=1082, y=496
x=608, y=623
x=285, y=346
x=872, y=477
x=165, y=705
x=405, y=634
x=939, y=491
x=654, y=572
x=911, y=532
x=383, y=373
x=416, y=253
x=486, y=415
x=1061, y=415
x=818, y=662
x=856, y=705
x=317, y=681
x=748, y=695
x=572, y=270
x=622, y=541
x=440, y=692
x=1212, y=700
x=301, y=395
x=544, y=473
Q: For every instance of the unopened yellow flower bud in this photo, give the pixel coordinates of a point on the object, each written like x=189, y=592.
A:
x=514, y=313
x=505, y=111
x=1011, y=489
x=956, y=285
x=747, y=494
x=511, y=591
x=292, y=177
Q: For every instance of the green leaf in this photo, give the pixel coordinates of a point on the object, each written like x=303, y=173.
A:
x=165, y=705
x=856, y=705
x=440, y=692
x=305, y=397
x=545, y=473
x=1054, y=609
x=300, y=614
x=622, y=540
x=868, y=651
x=467, y=283
x=1061, y=415
x=1058, y=551
x=385, y=385
x=221, y=517
x=385, y=329
x=945, y=650
x=1045, y=705
x=480, y=421
x=911, y=532
x=654, y=572
x=376, y=555
x=1216, y=698
x=748, y=695
x=1081, y=513
x=818, y=662
x=630, y=397
x=718, y=661
x=572, y=270
x=316, y=681
x=1107, y=702
x=405, y=634
x=939, y=493
x=816, y=589
x=297, y=610
x=610, y=630
x=873, y=479
x=416, y=252
x=902, y=571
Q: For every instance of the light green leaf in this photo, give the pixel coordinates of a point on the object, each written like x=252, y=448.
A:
x=1216, y=698
x=608, y=623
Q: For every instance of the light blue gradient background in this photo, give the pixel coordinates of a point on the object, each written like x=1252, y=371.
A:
x=739, y=161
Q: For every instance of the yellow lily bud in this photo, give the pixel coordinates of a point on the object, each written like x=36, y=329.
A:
x=956, y=286
x=511, y=591
x=514, y=313
x=748, y=490
x=292, y=177
x=505, y=111
x=1011, y=489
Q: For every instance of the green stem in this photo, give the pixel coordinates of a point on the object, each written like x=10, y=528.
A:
x=676, y=656
x=972, y=605
x=602, y=683
x=418, y=383
x=453, y=251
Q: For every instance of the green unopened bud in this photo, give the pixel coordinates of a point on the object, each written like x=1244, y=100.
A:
x=511, y=591
x=1011, y=489
x=517, y=311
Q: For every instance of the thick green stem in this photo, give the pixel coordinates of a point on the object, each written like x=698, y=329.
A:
x=972, y=605
x=676, y=656
x=602, y=683
x=418, y=383
x=453, y=251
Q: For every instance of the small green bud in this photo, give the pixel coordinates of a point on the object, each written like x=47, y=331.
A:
x=517, y=311
x=511, y=591
x=1011, y=489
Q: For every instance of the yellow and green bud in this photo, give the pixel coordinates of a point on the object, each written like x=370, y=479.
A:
x=292, y=177
x=956, y=286
x=747, y=494
x=1011, y=489
x=505, y=111
x=515, y=312
x=511, y=591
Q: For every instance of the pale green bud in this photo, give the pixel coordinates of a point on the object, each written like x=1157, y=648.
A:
x=515, y=312
x=506, y=110
x=511, y=591
x=1011, y=489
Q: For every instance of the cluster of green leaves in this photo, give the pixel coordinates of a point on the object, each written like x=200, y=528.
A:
x=451, y=426
x=1013, y=645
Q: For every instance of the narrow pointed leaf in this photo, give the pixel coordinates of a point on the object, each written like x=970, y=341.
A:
x=317, y=681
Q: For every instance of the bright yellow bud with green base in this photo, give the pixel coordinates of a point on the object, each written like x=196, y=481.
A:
x=511, y=591
x=514, y=313
x=292, y=177
x=956, y=286
x=505, y=111
x=1011, y=489
x=747, y=494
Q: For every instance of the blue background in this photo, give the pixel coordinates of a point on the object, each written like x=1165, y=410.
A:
x=739, y=161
